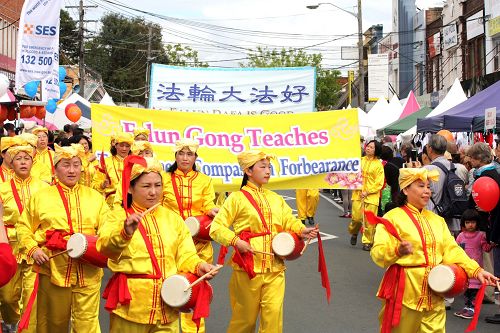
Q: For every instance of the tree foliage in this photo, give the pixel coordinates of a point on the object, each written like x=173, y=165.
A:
x=327, y=81
x=68, y=40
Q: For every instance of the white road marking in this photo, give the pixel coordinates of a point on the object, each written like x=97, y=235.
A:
x=324, y=237
x=332, y=202
x=287, y=198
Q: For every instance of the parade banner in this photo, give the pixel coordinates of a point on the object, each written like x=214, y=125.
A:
x=38, y=46
x=237, y=91
x=314, y=150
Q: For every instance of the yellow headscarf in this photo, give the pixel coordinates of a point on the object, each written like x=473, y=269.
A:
x=191, y=144
x=10, y=141
x=28, y=139
x=250, y=157
x=409, y=175
x=13, y=151
x=75, y=150
x=141, y=131
x=139, y=146
x=39, y=129
x=123, y=137
x=153, y=166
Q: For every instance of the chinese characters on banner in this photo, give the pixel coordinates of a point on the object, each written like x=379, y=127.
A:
x=233, y=90
x=38, y=46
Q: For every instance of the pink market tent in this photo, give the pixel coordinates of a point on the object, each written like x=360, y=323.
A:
x=411, y=105
x=8, y=97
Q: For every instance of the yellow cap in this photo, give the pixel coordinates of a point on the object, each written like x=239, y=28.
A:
x=141, y=131
x=248, y=158
x=191, y=144
x=9, y=141
x=139, y=146
x=408, y=175
x=153, y=166
x=40, y=129
x=123, y=137
x=28, y=139
x=13, y=151
x=75, y=150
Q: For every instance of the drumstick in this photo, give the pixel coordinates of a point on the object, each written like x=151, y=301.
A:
x=201, y=278
x=59, y=253
x=144, y=213
x=498, y=285
x=308, y=241
x=263, y=252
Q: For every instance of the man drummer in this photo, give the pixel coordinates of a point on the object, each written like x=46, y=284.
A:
x=68, y=288
x=188, y=192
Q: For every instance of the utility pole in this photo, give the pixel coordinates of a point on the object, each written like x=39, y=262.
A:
x=361, y=59
x=148, y=65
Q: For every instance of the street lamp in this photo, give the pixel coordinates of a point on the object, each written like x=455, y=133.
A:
x=358, y=16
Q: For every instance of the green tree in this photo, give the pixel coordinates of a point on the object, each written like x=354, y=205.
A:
x=327, y=81
x=68, y=40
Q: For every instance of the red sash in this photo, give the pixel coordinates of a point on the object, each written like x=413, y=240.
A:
x=16, y=196
x=1, y=174
x=177, y=196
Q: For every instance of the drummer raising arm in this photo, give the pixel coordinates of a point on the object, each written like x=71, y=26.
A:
x=145, y=247
x=261, y=288
x=425, y=243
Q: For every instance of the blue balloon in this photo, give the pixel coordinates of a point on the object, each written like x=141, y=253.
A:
x=62, y=73
x=51, y=106
x=31, y=88
x=62, y=88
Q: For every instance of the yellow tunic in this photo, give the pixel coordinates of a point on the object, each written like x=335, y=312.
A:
x=88, y=170
x=441, y=248
x=42, y=165
x=239, y=213
x=45, y=211
x=5, y=174
x=373, y=180
x=174, y=251
x=114, y=166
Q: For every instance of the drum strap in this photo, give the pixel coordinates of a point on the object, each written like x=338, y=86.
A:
x=2, y=174
x=66, y=208
x=420, y=232
x=16, y=196
x=52, y=168
x=177, y=196
x=257, y=208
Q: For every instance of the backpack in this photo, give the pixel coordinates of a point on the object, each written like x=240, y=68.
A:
x=454, y=200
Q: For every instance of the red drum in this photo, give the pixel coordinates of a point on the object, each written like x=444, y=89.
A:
x=199, y=226
x=448, y=280
x=287, y=245
x=173, y=294
x=83, y=247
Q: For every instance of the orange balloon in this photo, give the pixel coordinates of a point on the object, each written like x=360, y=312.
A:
x=73, y=113
x=447, y=135
x=25, y=111
x=40, y=112
x=11, y=113
x=3, y=113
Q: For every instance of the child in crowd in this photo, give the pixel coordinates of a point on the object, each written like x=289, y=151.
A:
x=474, y=243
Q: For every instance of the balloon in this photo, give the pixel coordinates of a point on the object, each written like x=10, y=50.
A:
x=62, y=73
x=40, y=112
x=485, y=193
x=31, y=88
x=4, y=84
x=447, y=135
x=11, y=113
x=25, y=111
x=3, y=113
x=62, y=88
x=51, y=106
x=73, y=112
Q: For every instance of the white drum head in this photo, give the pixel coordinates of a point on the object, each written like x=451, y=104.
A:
x=172, y=291
x=77, y=243
x=441, y=278
x=283, y=244
x=193, y=225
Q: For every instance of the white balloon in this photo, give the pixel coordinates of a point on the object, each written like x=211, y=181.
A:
x=4, y=84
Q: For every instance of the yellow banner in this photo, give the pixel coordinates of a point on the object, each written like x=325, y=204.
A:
x=314, y=150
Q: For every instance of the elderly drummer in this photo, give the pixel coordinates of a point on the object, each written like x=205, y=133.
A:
x=257, y=283
x=425, y=242
x=189, y=192
x=68, y=293
x=14, y=196
x=146, y=243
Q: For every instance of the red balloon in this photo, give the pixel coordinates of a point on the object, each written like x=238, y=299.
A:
x=485, y=193
x=40, y=112
x=73, y=112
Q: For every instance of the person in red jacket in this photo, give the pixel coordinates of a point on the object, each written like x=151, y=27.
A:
x=7, y=259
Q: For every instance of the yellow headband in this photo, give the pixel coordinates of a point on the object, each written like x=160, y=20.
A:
x=409, y=175
x=141, y=131
x=250, y=157
x=153, y=166
x=139, y=146
x=29, y=139
x=123, y=137
x=13, y=151
x=39, y=129
x=75, y=150
x=9, y=141
x=191, y=144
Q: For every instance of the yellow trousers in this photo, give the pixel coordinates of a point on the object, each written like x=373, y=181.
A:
x=263, y=295
x=432, y=321
x=120, y=325
x=57, y=306
x=307, y=202
x=10, y=295
x=28, y=281
x=358, y=218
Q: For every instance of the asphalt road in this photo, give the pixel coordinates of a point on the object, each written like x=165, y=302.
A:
x=354, y=281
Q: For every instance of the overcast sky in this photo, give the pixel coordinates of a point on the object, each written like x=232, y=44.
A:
x=297, y=26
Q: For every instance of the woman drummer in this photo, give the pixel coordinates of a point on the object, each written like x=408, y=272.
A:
x=141, y=134
x=190, y=193
x=142, y=259
x=260, y=288
x=425, y=243
x=89, y=163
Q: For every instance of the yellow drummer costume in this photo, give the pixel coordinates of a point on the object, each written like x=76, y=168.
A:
x=307, y=202
x=373, y=179
x=14, y=195
x=432, y=243
x=43, y=161
x=5, y=170
x=264, y=292
x=164, y=244
x=88, y=169
x=196, y=197
x=68, y=288
x=114, y=168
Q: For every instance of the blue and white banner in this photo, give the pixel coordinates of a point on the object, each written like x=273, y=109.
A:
x=38, y=46
x=238, y=91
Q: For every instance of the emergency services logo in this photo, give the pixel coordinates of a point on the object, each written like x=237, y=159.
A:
x=28, y=29
x=459, y=190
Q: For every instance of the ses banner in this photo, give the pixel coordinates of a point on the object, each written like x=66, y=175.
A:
x=38, y=46
x=237, y=91
x=314, y=150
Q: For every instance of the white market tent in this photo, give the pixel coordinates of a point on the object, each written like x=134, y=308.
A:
x=384, y=113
